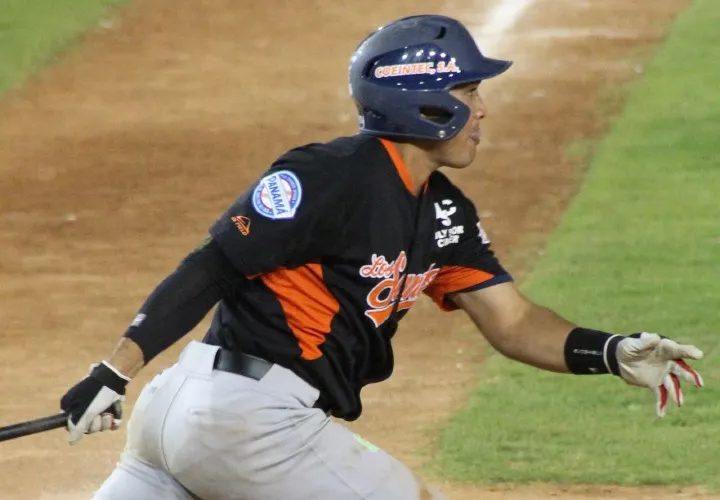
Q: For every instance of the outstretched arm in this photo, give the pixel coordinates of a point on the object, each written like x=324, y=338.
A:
x=537, y=336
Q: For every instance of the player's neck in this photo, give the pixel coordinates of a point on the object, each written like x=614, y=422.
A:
x=419, y=162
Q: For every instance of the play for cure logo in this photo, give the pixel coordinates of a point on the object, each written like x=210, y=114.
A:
x=383, y=296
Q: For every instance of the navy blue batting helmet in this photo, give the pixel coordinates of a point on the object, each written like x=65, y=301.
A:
x=401, y=73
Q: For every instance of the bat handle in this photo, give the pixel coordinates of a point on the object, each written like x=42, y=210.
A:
x=44, y=424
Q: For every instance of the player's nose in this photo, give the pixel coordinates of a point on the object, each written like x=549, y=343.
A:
x=480, y=108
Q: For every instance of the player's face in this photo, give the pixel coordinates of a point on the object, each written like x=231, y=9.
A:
x=459, y=152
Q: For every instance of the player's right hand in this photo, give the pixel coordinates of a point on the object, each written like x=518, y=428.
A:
x=95, y=403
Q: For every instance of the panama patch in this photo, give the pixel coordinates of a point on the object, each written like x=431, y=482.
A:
x=278, y=195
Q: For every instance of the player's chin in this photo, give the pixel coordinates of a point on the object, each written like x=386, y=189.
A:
x=464, y=158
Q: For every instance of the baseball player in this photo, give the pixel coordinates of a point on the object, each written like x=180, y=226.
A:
x=311, y=269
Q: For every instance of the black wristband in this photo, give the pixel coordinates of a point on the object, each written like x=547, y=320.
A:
x=591, y=352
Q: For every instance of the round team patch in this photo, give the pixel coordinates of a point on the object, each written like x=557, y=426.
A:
x=278, y=195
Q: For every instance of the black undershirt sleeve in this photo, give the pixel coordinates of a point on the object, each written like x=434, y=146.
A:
x=183, y=299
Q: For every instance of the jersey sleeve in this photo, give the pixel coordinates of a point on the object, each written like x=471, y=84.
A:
x=470, y=265
x=286, y=218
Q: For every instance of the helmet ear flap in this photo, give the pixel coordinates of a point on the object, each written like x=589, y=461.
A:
x=443, y=114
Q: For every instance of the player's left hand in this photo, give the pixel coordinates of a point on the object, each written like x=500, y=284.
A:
x=95, y=403
x=649, y=360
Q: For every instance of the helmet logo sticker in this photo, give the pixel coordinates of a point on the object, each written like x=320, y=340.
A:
x=426, y=68
x=278, y=195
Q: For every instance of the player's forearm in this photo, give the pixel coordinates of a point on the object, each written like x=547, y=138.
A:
x=527, y=332
x=543, y=339
x=537, y=339
x=127, y=357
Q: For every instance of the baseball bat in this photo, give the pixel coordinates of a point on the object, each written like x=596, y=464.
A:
x=29, y=427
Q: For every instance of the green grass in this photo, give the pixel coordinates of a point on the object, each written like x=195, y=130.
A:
x=32, y=32
x=638, y=250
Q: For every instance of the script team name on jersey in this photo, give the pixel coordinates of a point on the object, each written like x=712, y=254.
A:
x=383, y=296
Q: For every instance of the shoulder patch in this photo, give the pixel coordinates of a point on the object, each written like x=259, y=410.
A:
x=278, y=195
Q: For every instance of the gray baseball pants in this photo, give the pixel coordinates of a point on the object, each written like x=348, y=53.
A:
x=200, y=433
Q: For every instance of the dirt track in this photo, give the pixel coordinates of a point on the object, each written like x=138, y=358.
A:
x=114, y=163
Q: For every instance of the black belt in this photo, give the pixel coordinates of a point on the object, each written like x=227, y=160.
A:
x=252, y=367
x=241, y=364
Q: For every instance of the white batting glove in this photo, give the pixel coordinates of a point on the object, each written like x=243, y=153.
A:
x=657, y=363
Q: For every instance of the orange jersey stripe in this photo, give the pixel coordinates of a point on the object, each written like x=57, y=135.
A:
x=399, y=164
x=308, y=305
x=452, y=279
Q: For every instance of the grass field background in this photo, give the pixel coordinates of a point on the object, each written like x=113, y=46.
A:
x=33, y=32
x=638, y=250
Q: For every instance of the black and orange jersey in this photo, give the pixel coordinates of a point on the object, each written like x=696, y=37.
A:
x=335, y=248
